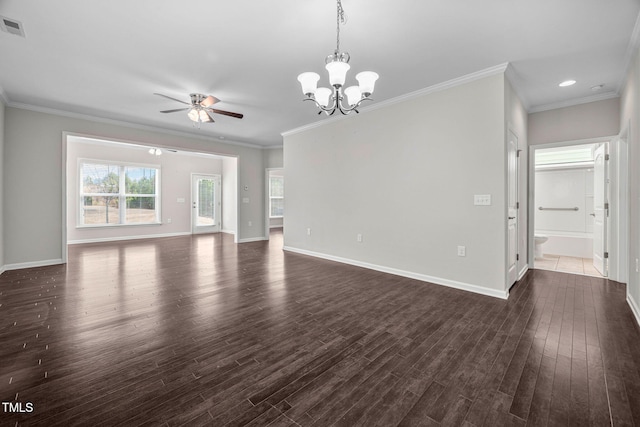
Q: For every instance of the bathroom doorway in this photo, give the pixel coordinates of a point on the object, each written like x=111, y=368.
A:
x=570, y=186
x=274, y=201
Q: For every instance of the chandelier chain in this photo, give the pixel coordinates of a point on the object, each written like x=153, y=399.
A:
x=339, y=18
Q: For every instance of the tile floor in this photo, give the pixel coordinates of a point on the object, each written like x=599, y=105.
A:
x=567, y=264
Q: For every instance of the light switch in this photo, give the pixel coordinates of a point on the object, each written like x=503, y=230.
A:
x=180, y=199
x=245, y=200
x=482, y=200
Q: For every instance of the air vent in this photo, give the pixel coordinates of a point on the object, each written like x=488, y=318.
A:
x=11, y=26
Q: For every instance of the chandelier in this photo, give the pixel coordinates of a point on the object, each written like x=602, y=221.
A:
x=337, y=64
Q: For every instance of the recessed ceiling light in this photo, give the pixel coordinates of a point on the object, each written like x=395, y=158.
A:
x=567, y=83
x=597, y=87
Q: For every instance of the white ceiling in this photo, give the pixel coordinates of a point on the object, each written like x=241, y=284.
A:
x=107, y=58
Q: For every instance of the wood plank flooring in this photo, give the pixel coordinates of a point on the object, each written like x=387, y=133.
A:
x=199, y=331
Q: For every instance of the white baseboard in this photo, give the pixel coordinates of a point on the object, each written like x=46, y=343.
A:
x=2, y=269
x=116, y=239
x=228, y=231
x=31, y=264
x=418, y=276
x=634, y=308
x=252, y=239
x=276, y=226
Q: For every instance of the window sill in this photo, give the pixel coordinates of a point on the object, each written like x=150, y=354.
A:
x=146, y=224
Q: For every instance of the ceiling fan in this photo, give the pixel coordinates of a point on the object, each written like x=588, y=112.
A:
x=200, y=108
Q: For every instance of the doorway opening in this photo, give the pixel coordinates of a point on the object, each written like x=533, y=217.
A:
x=274, y=203
x=206, y=204
x=571, y=210
x=118, y=200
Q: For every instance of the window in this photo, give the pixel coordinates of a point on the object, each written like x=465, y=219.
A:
x=118, y=194
x=276, y=196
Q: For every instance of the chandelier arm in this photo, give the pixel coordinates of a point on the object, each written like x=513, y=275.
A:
x=327, y=110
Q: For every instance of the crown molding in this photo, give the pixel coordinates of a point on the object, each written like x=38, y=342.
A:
x=498, y=69
x=63, y=113
x=515, y=80
x=573, y=102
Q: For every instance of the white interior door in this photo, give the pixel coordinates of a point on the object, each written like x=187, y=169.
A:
x=512, y=206
x=601, y=208
x=205, y=204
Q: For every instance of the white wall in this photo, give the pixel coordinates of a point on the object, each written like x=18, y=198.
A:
x=404, y=176
x=34, y=158
x=564, y=188
x=274, y=157
x=629, y=120
x=584, y=121
x=2, y=172
x=175, y=183
x=229, y=195
x=569, y=233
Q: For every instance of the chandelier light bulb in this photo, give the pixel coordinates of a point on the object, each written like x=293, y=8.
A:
x=337, y=72
x=309, y=82
x=353, y=94
x=322, y=96
x=367, y=81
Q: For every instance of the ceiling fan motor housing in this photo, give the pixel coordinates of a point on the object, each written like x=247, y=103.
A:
x=197, y=98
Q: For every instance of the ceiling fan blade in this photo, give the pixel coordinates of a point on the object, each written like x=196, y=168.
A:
x=177, y=109
x=173, y=99
x=226, y=113
x=209, y=100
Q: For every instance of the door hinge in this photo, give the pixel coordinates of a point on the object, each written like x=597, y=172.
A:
x=517, y=257
x=606, y=157
x=606, y=254
x=518, y=153
x=517, y=205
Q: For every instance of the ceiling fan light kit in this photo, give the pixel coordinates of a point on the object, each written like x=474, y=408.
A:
x=337, y=64
x=200, y=110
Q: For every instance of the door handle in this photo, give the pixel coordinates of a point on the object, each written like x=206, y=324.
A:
x=592, y=214
x=512, y=217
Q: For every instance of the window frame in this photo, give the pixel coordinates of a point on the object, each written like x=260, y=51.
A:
x=271, y=197
x=121, y=195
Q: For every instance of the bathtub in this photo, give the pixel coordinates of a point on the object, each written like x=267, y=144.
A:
x=578, y=245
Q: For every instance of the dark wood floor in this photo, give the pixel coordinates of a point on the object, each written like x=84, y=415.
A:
x=199, y=331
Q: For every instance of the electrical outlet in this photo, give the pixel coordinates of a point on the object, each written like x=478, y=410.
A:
x=359, y=238
x=250, y=223
x=168, y=220
x=308, y=231
x=462, y=251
